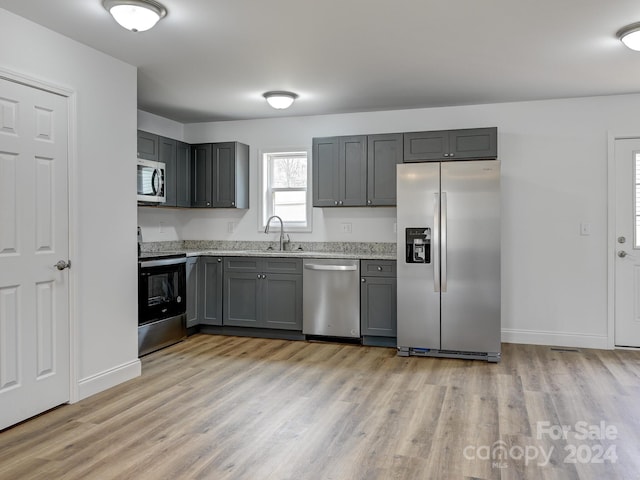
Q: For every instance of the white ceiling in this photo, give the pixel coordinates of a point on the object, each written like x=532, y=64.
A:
x=211, y=60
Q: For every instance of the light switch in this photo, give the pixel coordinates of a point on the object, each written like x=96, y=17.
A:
x=346, y=227
x=585, y=229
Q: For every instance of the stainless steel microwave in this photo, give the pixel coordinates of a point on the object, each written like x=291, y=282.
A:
x=151, y=181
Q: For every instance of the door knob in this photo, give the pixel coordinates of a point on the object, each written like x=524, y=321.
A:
x=61, y=265
x=622, y=254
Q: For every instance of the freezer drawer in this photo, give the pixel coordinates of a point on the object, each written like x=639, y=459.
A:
x=331, y=298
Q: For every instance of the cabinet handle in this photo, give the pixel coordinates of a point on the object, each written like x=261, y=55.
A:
x=363, y=280
x=259, y=276
x=368, y=202
x=335, y=203
x=451, y=154
x=219, y=260
x=233, y=203
x=379, y=269
x=264, y=276
x=446, y=154
x=208, y=204
x=340, y=202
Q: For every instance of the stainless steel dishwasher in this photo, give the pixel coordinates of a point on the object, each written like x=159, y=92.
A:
x=331, y=297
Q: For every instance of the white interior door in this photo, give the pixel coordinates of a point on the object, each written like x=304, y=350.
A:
x=627, y=251
x=34, y=235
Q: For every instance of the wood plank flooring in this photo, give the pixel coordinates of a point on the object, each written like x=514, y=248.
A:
x=231, y=408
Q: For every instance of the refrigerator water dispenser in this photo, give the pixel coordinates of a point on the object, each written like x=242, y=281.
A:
x=418, y=243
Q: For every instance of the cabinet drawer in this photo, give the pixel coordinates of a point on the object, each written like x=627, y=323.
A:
x=242, y=264
x=282, y=265
x=377, y=268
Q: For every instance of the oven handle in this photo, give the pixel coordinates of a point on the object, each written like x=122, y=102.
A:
x=162, y=262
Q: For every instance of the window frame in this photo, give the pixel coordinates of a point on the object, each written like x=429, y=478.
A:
x=265, y=205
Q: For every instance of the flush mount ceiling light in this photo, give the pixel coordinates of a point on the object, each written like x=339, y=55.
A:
x=630, y=36
x=135, y=15
x=280, y=100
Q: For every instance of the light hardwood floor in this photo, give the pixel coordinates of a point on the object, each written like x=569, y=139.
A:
x=220, y=408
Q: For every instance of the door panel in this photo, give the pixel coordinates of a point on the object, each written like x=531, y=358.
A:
x=418, y=300
x=34, y=230
x=471, y=256
x=627, y=267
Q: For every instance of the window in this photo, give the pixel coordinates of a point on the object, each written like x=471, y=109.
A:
x=284, y=179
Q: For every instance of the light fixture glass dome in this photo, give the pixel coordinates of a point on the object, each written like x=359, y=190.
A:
x=280, y=100
x=135, y=15
x=630, y=36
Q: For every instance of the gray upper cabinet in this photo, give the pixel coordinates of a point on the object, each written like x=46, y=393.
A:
x=167, y=155
x=352, y=171
x=340, y=171
x=263, y=292
x=148, y=146
x=384, y=152
x=464, y=144
x=220, y=175
x=183, y=174
x=325, y=171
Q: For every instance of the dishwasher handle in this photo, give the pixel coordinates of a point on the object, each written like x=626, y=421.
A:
x=342, y=268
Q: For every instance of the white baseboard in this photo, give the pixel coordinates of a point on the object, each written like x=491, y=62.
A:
x=109, y=378
x=556, y=339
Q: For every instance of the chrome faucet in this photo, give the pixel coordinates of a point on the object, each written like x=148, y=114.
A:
x=282, y=240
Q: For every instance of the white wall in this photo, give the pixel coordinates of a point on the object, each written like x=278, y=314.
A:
x=554, y=176
x=104, y=258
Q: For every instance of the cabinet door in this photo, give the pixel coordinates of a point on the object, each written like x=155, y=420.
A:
x=192, y=291
x=426, y=146
x=167, y=155
x=242, y=299
x=224, y=179
x=384, y=152
x=201, y=171
x=378, y=306
x=148, y=146
x=183, y=175
x=352, y=168
x=474, y=143
x=210, y=290
x=325, y=172
x=282, y=301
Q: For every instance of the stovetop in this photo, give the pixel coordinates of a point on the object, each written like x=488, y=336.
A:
x=158, y=255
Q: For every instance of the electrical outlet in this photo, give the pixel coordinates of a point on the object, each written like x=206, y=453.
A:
x=585, y=229
x=346, y=227
x=161, y=227
x=395, y=228
x=231, y=227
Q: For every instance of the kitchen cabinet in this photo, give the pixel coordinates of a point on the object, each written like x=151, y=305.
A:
x=192, y=291
x=148, y=146
x=183, y=175
x=209, y=303
x=220, y=175
x=263, y=292
x=463, y=144
x=167, y=155
x=378, y=300
x=355, y=171
x=384, y=152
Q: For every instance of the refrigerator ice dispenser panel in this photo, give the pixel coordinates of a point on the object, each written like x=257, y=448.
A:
x=418, y=245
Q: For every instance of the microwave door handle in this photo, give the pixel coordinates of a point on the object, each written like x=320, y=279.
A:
x=155, y=177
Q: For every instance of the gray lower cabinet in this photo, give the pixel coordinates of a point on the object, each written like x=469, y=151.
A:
x=463, y=144
x=209, y=305
x=192, y=291
x=378, y=298
x=263, y=292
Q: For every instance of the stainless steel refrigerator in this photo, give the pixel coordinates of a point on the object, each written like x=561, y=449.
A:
x=449, y=259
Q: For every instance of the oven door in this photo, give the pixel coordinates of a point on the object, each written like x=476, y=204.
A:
x=161, y=289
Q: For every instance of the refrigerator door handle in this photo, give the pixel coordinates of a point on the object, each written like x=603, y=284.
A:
x=443, y=237
x=435, y=242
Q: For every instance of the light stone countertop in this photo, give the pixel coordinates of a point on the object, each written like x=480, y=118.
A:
x=342, y=250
